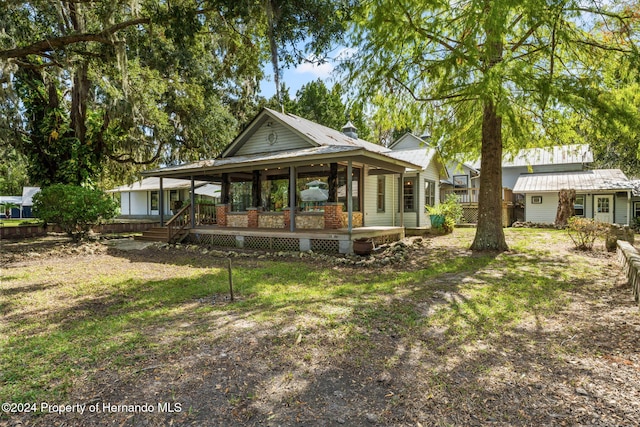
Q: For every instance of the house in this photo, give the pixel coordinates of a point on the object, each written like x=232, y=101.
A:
x=421, y=186
x=142, y=199
x=605, y=195
x=24, y=203
x=291, y=184
x=635, y=201
x=556, y=159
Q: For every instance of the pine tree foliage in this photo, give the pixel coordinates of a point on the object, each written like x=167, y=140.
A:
x=487, y=76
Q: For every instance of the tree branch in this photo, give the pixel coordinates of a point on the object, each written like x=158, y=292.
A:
x=43, y=46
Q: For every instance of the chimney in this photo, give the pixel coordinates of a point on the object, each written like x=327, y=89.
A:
x=350, y=130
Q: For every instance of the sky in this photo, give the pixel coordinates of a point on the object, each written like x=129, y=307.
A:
x=304, y=73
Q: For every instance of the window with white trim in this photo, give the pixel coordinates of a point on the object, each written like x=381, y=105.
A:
x=578, y=206
x=429, y=192
x=380, y=193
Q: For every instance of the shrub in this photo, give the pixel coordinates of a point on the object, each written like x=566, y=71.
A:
x=450, y=209
x=584, y=232
x=75, y=209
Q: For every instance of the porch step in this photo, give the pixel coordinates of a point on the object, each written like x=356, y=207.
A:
x=155, y=234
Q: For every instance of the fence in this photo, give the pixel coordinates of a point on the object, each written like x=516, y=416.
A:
x=26, y=231
x=629, y=257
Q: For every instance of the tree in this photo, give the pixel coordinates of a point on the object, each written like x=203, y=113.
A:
x=75, y=209
x=126, y=85
x=566, y=202
x=496, y=74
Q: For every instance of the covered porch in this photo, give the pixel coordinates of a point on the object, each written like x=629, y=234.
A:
x=316, y=202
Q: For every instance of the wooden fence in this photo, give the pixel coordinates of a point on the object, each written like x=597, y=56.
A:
x=629, y=257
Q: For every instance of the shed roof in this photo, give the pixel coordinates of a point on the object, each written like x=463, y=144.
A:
x=593, y=180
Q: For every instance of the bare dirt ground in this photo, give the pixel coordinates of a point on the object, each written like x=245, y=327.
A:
x=577, y=366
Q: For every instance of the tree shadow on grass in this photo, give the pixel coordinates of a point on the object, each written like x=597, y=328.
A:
x=464, y=343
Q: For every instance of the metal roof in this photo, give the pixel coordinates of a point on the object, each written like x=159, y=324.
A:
x=556, y=155
x=418, y=156
x=27, y=195
x=153, y=183
x=593, y=180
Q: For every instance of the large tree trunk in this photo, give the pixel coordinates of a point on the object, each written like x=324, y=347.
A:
x=566, y=202
x=489, y=234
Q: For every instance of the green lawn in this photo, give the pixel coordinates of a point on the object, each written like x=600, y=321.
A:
x=17, y=222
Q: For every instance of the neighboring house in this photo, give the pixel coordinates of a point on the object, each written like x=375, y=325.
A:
x=602, y=194
x=24, y=203
x=558, y=158
x=635, y=201
x=10, y=207
x=142, y=199
x=285, y=184
x=421, y=186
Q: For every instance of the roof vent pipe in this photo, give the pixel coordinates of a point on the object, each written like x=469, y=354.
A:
x=350, y=130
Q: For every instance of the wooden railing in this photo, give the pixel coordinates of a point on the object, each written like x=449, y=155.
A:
x=205, y=213
x=179, y=224
x=470, y=195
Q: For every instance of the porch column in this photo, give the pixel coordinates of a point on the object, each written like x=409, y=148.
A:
x=255, y=190
x=419, y=210
x=192, y=200
x=225, y=188
x=292, y=198
x=333, y=183
x=401, y=199
x=629, y=212
x=161, y=203
x=349, y=196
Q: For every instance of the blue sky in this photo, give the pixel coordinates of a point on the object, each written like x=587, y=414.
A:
x=304, y=73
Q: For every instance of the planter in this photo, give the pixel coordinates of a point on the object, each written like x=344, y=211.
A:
x=363, y=246
x=437, y=221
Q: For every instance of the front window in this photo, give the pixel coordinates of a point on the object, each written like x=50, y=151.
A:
x=461, y=181
x=154, y=200
x=409, y=201
x=636, y=210
x=429, y=192
x=275, y=194
x=380, y=194
x=240, y=196
x=578, y=206
x=313, y=193
x=313, y=189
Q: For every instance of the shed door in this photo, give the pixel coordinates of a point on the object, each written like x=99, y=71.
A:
x=604, y=209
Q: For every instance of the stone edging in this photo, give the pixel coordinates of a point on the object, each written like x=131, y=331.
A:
x=629, y=257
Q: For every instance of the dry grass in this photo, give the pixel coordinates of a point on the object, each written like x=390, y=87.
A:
x=540, y=335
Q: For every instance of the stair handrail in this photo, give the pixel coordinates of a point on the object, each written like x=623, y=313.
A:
x=179, y=221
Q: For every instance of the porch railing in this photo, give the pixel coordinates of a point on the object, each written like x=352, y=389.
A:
x=470, y=195
x=178, y=225
x=205, y=213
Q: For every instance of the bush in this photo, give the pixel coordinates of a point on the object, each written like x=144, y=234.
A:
x=585, y=231
x=75, y=209
x=450, y=209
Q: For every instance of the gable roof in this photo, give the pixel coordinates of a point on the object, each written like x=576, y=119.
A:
x=316, y=135
x=593, y=180
x=556, y=155
x=324, y=145
x=418, y=156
